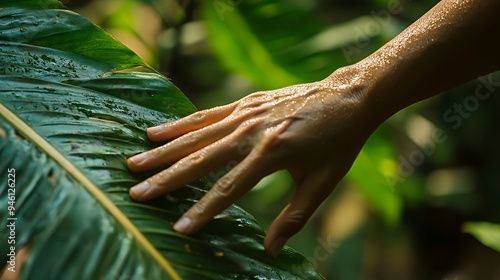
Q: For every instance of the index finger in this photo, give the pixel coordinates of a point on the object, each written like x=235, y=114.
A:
x=195, y=121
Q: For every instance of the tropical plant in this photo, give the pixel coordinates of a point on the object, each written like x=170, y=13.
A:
x=74, y=104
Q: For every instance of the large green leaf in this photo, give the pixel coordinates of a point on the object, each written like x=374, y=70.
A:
x=277, y=43
x=75, y=104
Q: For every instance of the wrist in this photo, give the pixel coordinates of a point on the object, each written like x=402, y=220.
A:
x=363, y=89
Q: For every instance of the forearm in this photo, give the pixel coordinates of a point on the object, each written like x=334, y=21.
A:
x=453, y=43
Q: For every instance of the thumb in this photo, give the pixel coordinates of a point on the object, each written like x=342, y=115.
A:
x=307, y=198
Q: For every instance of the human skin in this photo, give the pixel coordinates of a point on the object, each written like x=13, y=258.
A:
x=316, y=130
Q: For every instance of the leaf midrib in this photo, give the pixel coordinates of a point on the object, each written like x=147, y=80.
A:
x=31, y=135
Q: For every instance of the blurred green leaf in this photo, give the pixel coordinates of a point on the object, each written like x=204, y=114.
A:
x=279, y=43
x=487, y=233
x=373, y=173
x=273, y=187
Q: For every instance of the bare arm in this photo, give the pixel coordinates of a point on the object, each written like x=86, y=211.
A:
x=316, y=130
x=453, y=43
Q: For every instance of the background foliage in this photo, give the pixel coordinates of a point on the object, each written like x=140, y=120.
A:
x=217, y=51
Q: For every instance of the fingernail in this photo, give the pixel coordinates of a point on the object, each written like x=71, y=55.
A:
x=277, y=245
x=155, y=129
x=183, y=225
x=140, y=189
x=138, y=159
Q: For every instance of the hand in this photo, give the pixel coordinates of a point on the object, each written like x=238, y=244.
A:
x=313, y=130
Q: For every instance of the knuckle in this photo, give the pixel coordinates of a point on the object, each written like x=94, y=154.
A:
x=197, y=159
x=198, y=117
x=192, y=139
x=224, y=187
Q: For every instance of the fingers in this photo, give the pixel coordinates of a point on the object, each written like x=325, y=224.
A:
x=190, y=123
x=180, y=147
x=309, y=195
x=225, y=192
x=187, y=170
